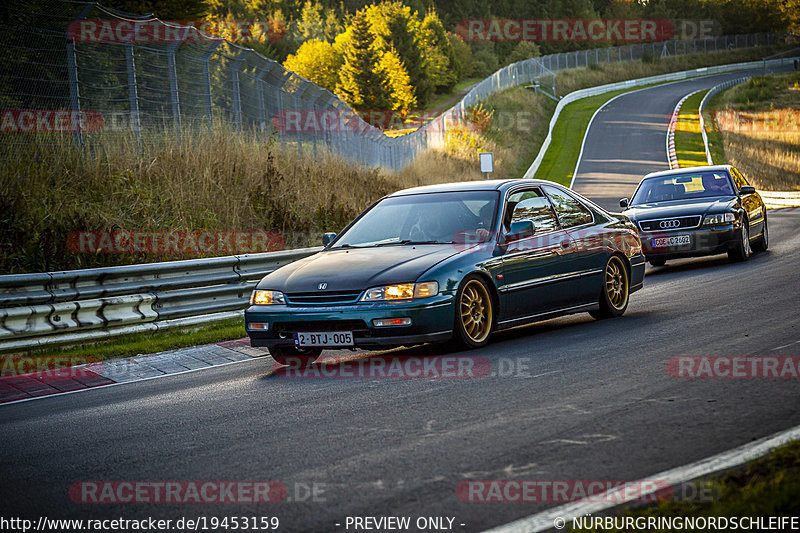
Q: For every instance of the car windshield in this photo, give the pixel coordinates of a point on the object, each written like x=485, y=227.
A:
x=683, y=187
x=432, y=218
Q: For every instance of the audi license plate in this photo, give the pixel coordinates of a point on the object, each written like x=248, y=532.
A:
x=323, y=338
x=676, y=240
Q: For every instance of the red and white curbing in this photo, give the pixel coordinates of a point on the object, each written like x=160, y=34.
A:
x=672, y=155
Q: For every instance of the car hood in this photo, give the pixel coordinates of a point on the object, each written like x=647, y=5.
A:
x=680, y=208
x=357, y=269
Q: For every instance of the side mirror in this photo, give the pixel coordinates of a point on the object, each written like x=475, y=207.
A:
x=327, y=238
x=520, y=229
x=747, y=189
x=623, y=202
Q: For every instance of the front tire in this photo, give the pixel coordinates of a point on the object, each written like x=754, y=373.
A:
x=615, y=292
x=763, y=242
x=474, y=313
x=290, y=355
x=742, y=250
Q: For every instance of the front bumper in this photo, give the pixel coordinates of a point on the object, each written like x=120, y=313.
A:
x=431, y=321
x=709, y=240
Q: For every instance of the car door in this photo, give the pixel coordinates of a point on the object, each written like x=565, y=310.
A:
x=750, y=203
x=532, y=264
x=587, y=254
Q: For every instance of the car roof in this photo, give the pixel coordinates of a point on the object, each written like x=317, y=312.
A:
x=480, y=185
x=686, y=170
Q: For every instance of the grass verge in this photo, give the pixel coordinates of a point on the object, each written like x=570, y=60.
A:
x=769, y=486
x=688, y=140
x=129, y=345
x=558, y=163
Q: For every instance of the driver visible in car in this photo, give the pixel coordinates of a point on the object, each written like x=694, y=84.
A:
x=716, y=184
x=429, y=227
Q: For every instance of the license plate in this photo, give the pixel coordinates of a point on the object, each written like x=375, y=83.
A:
x=323, y=338
x=677, y=240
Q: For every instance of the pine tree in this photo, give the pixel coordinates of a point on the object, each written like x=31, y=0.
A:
x=362, y=85
x=401, y=93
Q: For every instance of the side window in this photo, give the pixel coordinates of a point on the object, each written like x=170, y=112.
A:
x=530, y=205
x=739, y=178
x=570, y=211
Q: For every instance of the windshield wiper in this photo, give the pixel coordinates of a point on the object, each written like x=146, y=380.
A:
x=408, y=241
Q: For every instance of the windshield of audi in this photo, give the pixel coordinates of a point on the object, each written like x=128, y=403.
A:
x=687, y=186
x=428, y=218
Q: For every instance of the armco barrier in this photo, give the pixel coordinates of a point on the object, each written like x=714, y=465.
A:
x=610, y=87
x=53, y=307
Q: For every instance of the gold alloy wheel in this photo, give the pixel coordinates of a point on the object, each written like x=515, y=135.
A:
x=616, y=279
x=475, y=308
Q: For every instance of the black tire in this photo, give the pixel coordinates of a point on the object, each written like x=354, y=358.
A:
x=742, y=250
x=658, y=262
x=615, y=290
x=290, y=355
x=762, y=243
x=474, y=318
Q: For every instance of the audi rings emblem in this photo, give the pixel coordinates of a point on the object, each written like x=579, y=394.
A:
x=667, y=224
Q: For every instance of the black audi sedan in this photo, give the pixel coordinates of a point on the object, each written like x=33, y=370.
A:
x=455, y=261
x=697, y=211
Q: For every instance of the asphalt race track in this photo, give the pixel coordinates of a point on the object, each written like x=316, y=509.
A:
x=585, y=399
x=627, y=138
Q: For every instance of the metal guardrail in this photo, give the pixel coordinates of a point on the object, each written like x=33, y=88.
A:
x=710, y=94
x=56, y=305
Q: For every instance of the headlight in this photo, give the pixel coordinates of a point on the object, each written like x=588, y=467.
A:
x=267, y=298
x=402, y=291
x=719, y=218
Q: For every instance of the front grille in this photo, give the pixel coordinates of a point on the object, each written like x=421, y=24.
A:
x=288, y=328
x=670, y=224
x=323, y=297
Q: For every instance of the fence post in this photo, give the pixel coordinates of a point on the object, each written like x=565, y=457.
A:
x=173, y=84
x=207, y=78
x=236, y=96
x=133, y=96
x=74, y=91
x=261, y=72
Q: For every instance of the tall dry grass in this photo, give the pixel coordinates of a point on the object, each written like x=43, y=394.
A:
x=213, y=179
x=760, y=126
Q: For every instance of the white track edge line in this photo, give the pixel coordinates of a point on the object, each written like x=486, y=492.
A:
x=543, y=521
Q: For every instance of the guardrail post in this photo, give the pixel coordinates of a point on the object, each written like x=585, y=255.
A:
x=133, y=96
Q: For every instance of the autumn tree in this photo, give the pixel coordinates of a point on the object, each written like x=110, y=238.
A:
x=362, y=84
x=398, y=83
x=316, y=61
